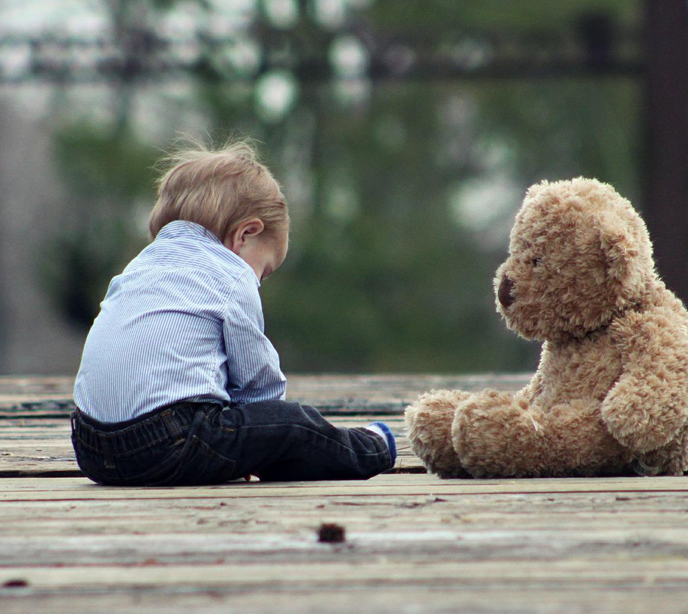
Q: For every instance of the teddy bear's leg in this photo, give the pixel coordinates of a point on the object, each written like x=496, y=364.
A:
x=429, y=422
x=494, y=435
x=498, y=434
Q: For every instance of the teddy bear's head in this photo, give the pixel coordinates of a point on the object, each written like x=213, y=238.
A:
x=578, y=255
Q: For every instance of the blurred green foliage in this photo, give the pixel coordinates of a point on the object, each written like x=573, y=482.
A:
x=106, y=172
x=387, y=271
x=540, y=16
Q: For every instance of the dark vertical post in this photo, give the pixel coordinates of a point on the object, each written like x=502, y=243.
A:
x=667, y=139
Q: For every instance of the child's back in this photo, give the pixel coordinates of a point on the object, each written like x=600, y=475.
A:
x=183, y=309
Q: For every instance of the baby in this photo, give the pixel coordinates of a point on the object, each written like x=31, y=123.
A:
x=178, y=383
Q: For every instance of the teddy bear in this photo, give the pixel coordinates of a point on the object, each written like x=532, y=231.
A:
x=610, y=394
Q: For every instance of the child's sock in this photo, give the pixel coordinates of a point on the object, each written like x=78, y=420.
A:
x=381, y=429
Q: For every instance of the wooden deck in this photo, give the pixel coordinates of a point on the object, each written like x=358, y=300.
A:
x=413, y=543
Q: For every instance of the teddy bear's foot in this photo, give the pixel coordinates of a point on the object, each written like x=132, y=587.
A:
x=496, y=435
x=429, y=421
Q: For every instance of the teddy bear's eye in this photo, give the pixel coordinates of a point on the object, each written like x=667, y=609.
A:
x=536, y=262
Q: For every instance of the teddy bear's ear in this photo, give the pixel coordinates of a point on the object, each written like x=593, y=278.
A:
x=618, y=246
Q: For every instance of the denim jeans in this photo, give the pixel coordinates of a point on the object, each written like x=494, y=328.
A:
x=208, y=443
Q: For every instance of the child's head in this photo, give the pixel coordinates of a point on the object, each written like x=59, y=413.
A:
x=228, y=192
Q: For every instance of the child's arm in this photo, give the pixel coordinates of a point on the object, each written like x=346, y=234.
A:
x=253, y=365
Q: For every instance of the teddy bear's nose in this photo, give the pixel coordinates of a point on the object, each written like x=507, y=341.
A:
x=504, y=293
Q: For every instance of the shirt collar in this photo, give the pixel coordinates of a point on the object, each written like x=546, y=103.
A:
x=183, y=228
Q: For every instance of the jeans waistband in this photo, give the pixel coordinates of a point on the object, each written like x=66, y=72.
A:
x=121, y=438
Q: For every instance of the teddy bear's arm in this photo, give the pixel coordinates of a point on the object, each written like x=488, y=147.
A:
x=649, y=402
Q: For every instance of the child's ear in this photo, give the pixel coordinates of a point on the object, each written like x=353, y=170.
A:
x=245, y=230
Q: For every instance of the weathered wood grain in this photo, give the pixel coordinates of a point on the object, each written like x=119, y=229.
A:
x=414, y=543
x=600, y=513
x=435, y=598
x=541, y=546
x=400, y=547
x=670, y=572
x=355, y=394
x=66, y=489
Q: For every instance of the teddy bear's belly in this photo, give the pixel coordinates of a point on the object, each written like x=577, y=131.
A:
x=585, y=370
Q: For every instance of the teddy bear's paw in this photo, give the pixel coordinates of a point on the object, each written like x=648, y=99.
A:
x=668, y=460
x=429, y=421
x=638, y=419
x=497, y=435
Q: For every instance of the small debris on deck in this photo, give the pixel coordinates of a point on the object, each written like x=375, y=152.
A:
x=331, y=533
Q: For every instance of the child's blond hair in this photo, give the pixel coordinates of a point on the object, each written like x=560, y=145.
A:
x=218, y=189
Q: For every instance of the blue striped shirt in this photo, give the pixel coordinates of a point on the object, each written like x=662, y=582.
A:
x=184, y=320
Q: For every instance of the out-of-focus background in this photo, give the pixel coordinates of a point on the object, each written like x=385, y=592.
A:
x=404, y=132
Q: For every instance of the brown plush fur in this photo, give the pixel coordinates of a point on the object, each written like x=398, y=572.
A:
x=610, y=395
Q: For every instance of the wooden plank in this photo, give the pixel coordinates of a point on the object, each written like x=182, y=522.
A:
x=52, y=397
x=489, y=535
x=66, y=489
x=672, y=572
x=549, y=546
x=400, y=546
x=562, y=510
x=486, y=562
x=641, y=515
x=435, y=598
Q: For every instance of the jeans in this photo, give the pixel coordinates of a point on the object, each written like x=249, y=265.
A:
x=207, y=443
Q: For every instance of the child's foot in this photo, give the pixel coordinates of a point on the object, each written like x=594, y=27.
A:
x=381, y=429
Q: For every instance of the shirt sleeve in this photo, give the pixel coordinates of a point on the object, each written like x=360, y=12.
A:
x=253, y=367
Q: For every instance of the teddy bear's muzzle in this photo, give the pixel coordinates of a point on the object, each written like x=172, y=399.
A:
x=504, y=293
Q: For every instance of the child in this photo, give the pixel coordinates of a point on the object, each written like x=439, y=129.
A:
x=177, y=383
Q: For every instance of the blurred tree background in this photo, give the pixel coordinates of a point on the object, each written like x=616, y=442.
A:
x=404, y=132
